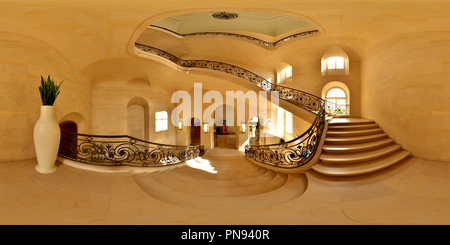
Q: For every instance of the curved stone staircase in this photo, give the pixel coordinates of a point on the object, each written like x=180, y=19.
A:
x=356, y=146
x=219, y=181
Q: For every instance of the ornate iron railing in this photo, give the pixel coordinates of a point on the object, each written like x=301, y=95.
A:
x=249, y=38
x=291, y=154
x=294, y=153
x=123, y=150
x=337, y=109
x=305, y=100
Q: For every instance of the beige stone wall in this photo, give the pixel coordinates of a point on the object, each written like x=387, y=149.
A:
x=23, y=60
x=118, y=83
x=305, y=58
x=406, y=87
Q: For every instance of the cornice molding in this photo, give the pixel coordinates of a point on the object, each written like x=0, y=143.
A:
x=253, y=39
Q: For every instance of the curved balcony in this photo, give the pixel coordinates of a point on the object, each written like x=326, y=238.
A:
x=287, y=155
x=123, y=150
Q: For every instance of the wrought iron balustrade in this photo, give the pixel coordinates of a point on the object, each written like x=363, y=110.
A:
x=123, y=150
x=294, y=153
x=337, y=109
x=249, y=38
x=305, y=100
x=291, y=154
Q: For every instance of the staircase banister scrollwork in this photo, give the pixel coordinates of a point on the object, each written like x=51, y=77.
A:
x=292, y=154
x=120, y=150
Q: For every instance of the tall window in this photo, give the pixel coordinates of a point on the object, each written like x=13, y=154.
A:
x=289, y=123
x=161, y=122
x=335, y=62
x=337, y=101
x=288, y=71
x=284, y=74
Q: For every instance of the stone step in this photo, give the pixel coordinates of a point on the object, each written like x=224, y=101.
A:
x=355, y=139
x=354, y=132
x=349, y=121
x=294, y=187
x=350, y=148
x=356, y=157
x=238, y=173
x=353, y=127
x=198, y=188
x=360, y=168
x=222, y=183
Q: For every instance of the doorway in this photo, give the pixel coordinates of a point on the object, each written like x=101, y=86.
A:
x=69, y=141
x=195, y=131
x=253, y=131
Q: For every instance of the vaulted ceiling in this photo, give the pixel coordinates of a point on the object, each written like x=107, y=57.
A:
x=269, y=24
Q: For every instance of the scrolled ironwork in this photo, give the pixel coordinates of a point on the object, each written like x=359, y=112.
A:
x=294, y=153
x=249, y=38
x=305, y=100
x=123, y=150
x=291, y=154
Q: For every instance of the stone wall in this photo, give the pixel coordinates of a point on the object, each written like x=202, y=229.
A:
x=406, y=87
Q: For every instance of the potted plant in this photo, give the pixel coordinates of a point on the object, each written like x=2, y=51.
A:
x=46, y=132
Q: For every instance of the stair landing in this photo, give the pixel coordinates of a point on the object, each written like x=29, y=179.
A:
x=222, y=181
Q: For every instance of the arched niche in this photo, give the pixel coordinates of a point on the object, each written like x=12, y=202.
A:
x=335, y=62
x=284, y=72
x=77, y=119
x=138, y=118
x=69, y=139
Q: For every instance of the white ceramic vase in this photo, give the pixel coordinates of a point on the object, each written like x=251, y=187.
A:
x=46, y=140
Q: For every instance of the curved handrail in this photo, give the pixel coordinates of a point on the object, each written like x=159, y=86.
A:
x=114, y=150
x=246, y=37
x=291, y=154
x=306, y=100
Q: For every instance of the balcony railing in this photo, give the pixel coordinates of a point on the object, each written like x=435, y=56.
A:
x=123, y=150
x=337, y=109
x=291, y=154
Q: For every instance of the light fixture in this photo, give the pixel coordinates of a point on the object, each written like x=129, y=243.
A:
x=180, y=125
x=224, y=15
x=243, y=127
x=205, y=128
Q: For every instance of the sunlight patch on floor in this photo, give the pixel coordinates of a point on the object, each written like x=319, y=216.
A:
x=202, y=164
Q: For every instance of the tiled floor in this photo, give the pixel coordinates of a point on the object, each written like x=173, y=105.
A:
x=414, y=191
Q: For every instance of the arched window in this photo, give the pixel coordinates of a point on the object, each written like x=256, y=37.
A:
x=161, y=122
x=289, y=123
x=336, y=101
x=284, y=72
x=335, y=62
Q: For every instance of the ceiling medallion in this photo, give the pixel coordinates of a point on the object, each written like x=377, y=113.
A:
x=225, y=16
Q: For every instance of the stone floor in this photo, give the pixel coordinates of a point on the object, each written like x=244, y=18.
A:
x=414, y=191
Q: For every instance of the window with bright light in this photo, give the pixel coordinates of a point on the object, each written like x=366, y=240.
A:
x=161, y=122
x=289, y=123
x=337, y=101
x=335, y=62
x=288, y=71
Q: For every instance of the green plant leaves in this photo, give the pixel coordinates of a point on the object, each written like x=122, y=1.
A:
x=49, y=91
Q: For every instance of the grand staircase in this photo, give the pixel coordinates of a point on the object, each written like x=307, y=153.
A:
x=356, y=146
x=222, y=181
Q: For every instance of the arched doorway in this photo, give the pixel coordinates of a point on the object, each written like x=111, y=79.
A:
x=225, y=126
x=138, y=118
x=337, y=101
x=68, y=144
x=253, y=131
x=195, y=131
x=337, y=96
